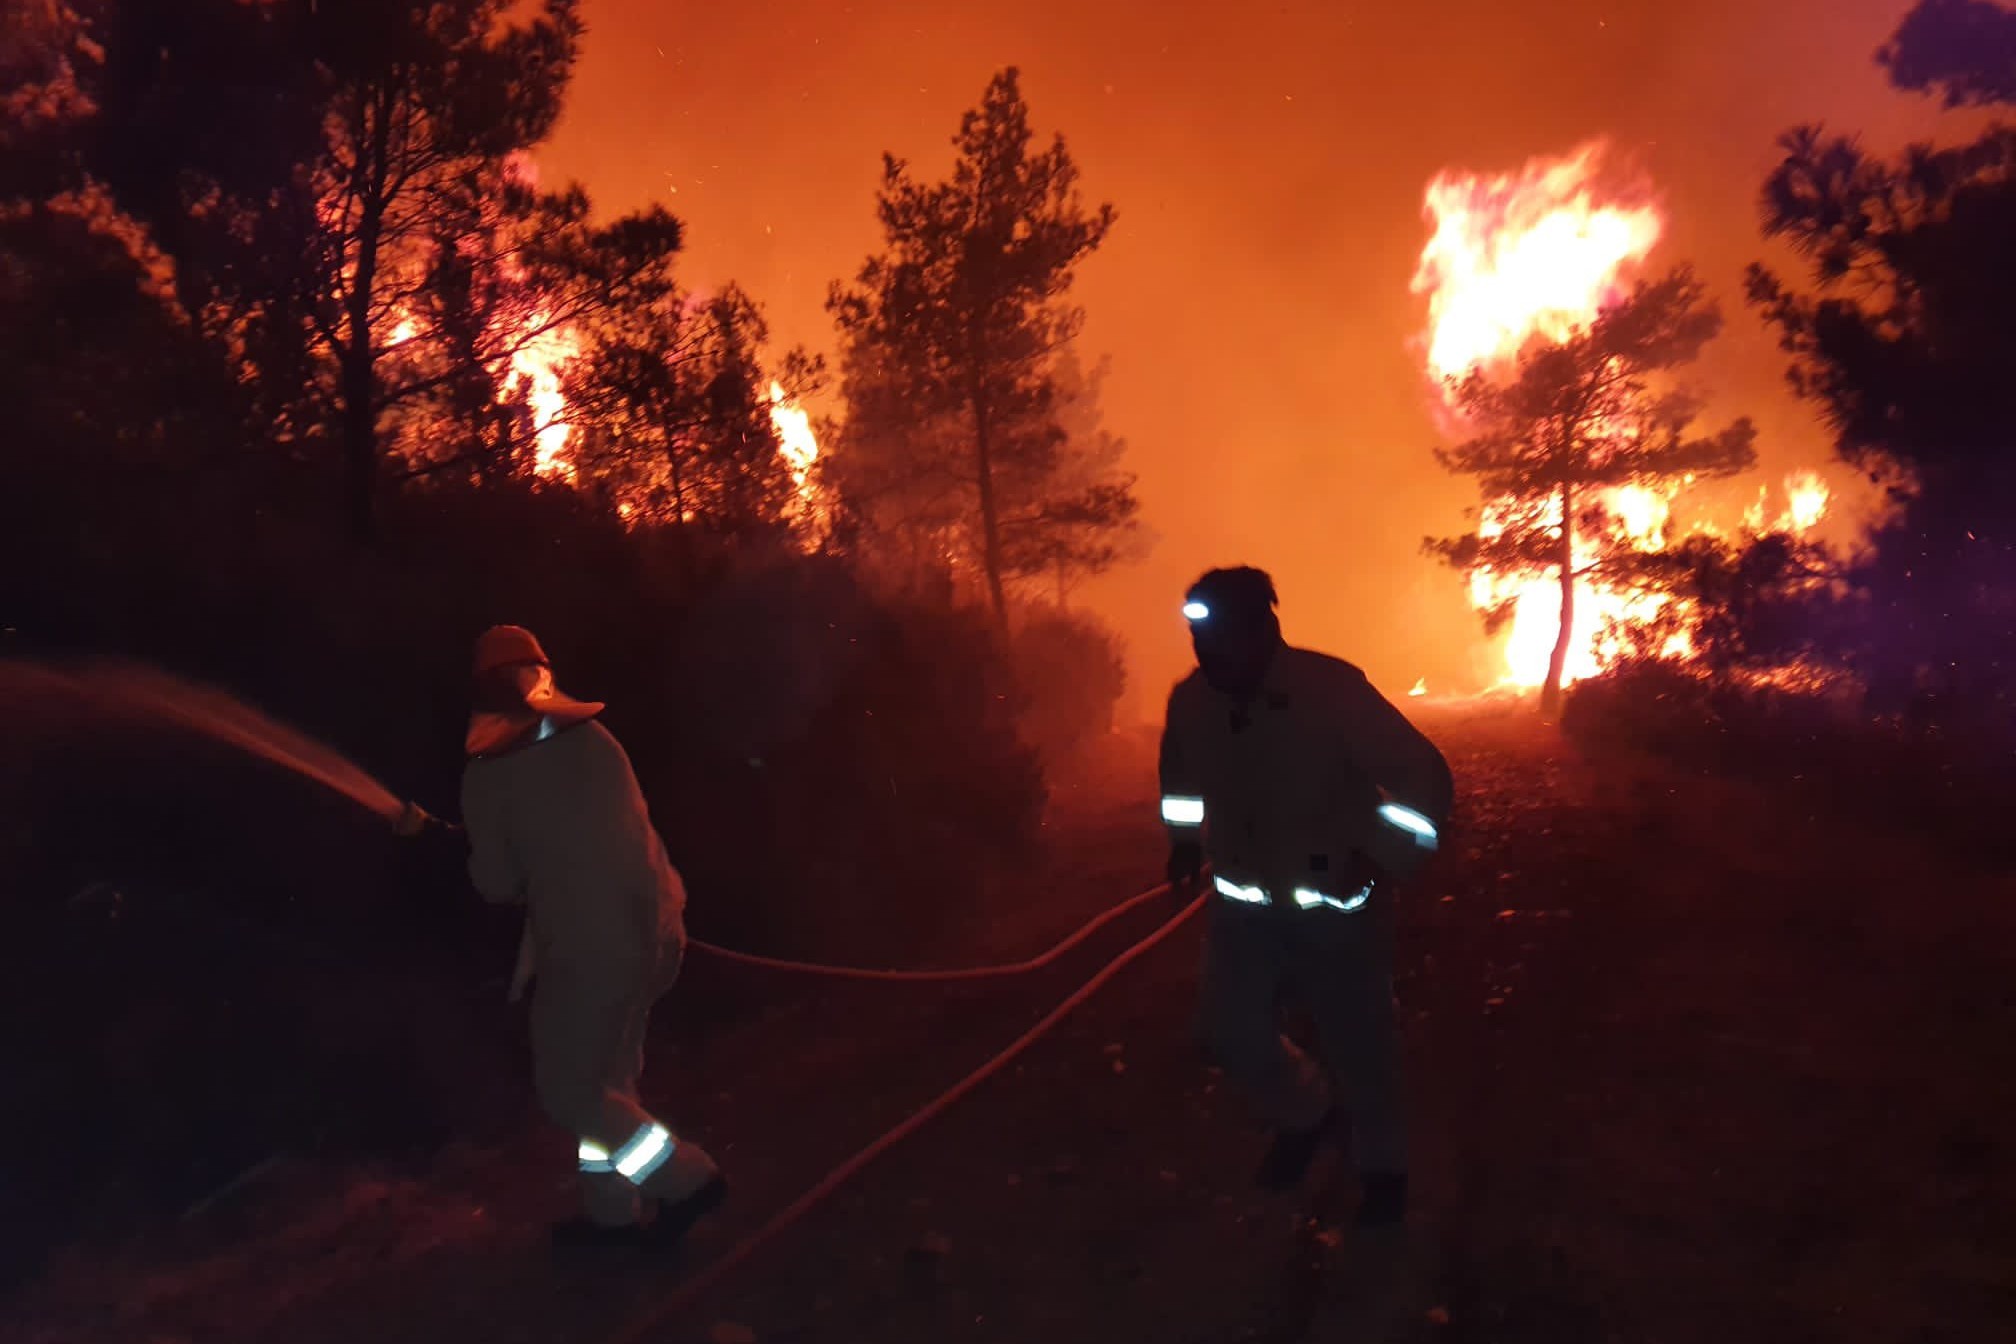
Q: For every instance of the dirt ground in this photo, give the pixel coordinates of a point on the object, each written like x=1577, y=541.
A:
x=1689, y=1060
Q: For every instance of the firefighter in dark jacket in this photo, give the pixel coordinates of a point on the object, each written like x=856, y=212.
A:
x=1311, y=797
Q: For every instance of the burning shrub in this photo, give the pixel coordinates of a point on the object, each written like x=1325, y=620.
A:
x=1771, y=609
x=1652, y=703
x=1072, y=672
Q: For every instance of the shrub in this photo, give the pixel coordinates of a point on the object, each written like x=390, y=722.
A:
x=837, y=774
x=1072, y=673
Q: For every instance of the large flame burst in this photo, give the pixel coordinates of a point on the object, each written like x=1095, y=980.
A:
x=1535, y=255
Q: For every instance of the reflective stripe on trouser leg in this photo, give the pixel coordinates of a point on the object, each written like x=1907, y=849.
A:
x=586, y=1054
x=1244, y=965
x=644, y=1152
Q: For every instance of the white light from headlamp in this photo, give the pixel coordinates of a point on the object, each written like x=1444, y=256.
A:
x=1195, y=611
x=1410, y=821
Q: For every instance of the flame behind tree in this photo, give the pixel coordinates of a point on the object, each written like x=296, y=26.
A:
x=423, y=108
x=342, y=191
x=680, y=424
x=1576, y=419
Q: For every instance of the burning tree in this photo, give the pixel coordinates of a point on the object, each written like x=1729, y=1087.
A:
x=1904, y=340
x=949, y=348
x=1579, y=421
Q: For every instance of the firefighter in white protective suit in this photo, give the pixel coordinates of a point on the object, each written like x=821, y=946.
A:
x=1311, y=797
x=556, y=821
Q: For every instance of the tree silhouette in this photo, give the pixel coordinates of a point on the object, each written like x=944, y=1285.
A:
x=1577, y=418
x=950, y=336
x=1904, y=341
x=1075, y=514
x=343, y=192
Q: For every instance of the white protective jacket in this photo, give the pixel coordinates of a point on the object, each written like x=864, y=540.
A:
x=560, y=825
x=1284, y=787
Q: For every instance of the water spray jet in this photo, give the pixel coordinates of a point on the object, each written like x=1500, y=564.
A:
x=146, y=695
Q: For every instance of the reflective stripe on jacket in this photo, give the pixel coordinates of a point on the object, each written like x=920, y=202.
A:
x=1283, y=787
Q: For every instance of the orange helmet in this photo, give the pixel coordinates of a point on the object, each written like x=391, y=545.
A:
x=507, y=646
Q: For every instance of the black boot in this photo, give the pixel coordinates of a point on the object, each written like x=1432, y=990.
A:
x=1384, y=1199
x=675, y=1220
x=1289, y=1156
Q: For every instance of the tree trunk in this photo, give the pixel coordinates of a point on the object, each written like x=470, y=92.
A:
x=358, y=355
x=1557, y=662
x=360, y=439
x=990, y=524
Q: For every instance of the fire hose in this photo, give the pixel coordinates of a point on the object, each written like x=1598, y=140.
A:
x=966, y=973
x=743, y=1251
x=686, y=1293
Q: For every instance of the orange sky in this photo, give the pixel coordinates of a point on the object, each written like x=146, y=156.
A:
x=1268, y=164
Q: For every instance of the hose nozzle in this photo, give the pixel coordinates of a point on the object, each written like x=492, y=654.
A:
x=412, y=820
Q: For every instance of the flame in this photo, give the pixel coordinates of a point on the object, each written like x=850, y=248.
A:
x=1638, y=516
x=1806, y=501
x=1807, y=497
x=1525, y=254
x=800, y=449
x=535, y=368
x=794, y=438
x=1640, y=513
x=1419, y=688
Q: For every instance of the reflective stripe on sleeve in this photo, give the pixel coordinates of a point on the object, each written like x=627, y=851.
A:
x=1408, y=820
x=1233, y=891
x=1180, y=811
x=1309, y=900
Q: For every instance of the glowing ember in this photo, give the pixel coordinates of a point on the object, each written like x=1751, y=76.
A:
x=1531, y=253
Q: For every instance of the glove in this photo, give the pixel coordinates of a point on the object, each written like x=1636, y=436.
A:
x=1186, y=865
x=1360, y=872
x=414, y=820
